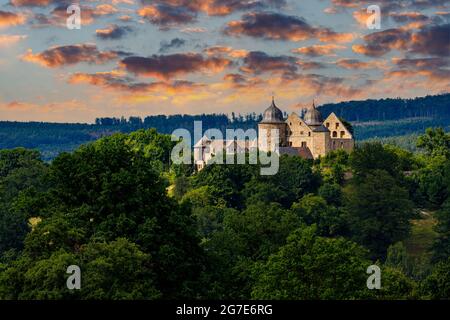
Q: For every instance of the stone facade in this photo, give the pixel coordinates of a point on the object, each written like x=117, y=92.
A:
x=306, y=135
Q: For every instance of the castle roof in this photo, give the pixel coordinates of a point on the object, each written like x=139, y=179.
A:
x=313, y=117
x=273, y=114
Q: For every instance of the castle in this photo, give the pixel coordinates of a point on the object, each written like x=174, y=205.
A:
x=308, y=136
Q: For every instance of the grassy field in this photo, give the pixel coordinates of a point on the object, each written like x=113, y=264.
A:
x=422, y=236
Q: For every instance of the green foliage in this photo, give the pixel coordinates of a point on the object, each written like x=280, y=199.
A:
x=379, y=211
x=435, y=142
x=311, y=267
x=113, y=188
x=437, y=284
x=329, y=220
x=142, y=228
x=441, y=247
x=21, y=172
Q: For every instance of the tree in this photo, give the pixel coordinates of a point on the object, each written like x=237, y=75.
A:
x=294, y=179
x=311, y=267
x=437, y=284
x=22, y=172
x=441, y=246
x=379, y=211
x=373, y=156
x=246, y=237
x=435, y=142
x=113, y=188
x=312, y=209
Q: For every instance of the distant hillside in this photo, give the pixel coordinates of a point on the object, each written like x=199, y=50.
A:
x=372, y=119
x=391, y=109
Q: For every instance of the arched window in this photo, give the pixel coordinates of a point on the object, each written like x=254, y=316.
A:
x=334, y=134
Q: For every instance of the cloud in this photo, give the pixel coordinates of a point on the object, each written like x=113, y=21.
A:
x=240, y=82
x=431, y=40
x=33, y=3
x=115, y=81
x=174, y=43
x=387, y=5
x=354, y=64
x=8, y=19
x=257, y=62
x=193, y=30
x=277, y=26
x=69, y=55
x=408, y=16
x=435, y=68
x=169, y=66
x=228, y=51
x=167, y=16
x=7, y=40
x=58, y=16
x=378, y=44
x=113, y=32
x=318, y=50
x=217, y=7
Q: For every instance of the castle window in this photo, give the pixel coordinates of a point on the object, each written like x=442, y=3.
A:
x=334, y=134
x=342, y=134
x=304, y=144
x=328, y=124
x=309, y=134
x=342, y=145
x=290, y=143
x=301, y=132
x=337, y=125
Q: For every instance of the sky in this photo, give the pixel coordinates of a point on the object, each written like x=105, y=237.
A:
x=147, y=57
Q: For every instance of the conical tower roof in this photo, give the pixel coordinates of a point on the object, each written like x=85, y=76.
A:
x=273, y=114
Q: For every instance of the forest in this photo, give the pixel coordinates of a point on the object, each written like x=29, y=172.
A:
x=140, y=228
x=371, y=119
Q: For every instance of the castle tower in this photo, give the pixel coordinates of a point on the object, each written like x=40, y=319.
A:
x=272, y=120
x=321, y=135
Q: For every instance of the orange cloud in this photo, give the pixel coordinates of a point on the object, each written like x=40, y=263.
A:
x=8, y=19
x=354, y=64
x=318, y=50
x=9, y=40
x=277, y=26
x=68, y=55
x=116, y=81
x=169, y=66
x=219, y=50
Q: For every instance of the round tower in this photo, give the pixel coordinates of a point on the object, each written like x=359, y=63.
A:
x=321, y=135
x=271, y=123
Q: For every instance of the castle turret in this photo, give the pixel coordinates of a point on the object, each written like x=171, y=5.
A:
x=272, y=120
x=321, y=135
